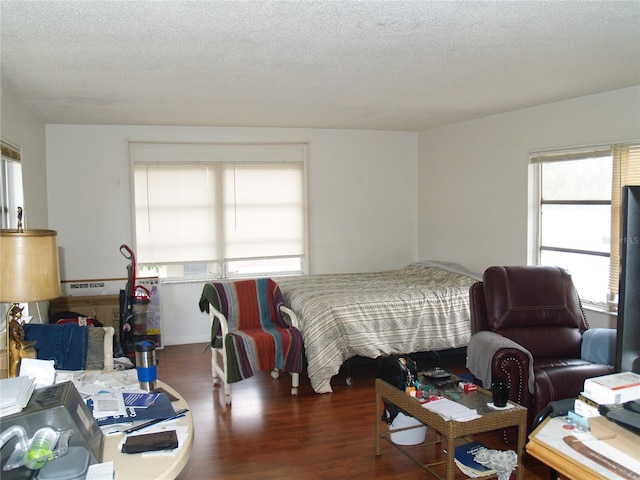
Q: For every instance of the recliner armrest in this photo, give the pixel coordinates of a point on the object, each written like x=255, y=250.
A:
x=482, y=350
x=513, y=365
x=599, y=346
x=478, y=308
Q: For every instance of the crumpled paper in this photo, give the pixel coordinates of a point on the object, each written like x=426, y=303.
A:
x=503, y=462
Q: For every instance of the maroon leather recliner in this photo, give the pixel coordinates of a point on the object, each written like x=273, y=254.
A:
x=537, y=308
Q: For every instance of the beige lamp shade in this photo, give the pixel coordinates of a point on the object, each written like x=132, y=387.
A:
x=28, y=266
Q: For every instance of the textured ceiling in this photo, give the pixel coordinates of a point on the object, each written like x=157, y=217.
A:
x=392, y=65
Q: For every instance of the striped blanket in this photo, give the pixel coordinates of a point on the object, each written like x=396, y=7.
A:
x=259, y=337
x=420, y=307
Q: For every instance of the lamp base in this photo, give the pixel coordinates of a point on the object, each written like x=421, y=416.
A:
x=4, y=373
x=17, y=347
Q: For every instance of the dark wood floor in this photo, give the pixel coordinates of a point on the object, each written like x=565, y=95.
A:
x=268, y=434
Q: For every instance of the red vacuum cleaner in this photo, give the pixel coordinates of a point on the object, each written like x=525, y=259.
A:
x=134, y=307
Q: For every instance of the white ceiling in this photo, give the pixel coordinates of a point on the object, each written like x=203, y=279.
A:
x=391, y=65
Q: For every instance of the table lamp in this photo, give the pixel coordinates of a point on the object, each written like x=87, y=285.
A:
x=28, y=273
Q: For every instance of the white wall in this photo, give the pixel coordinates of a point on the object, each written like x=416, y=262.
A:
x=473, y=176
x=21, y=128
x=362, y=202
x=469, y=199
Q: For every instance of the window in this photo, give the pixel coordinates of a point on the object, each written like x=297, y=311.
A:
x=11, y=194
x=221, y=210
x=578, y=208
x=11, y=197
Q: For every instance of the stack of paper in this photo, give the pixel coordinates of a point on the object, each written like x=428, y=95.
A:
x=16, y=393
x=450, y=410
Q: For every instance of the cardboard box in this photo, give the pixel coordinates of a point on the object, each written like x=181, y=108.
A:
x=104, y=308
x=584, y=409
x=615, y=435
x=614, y=388
x=100, y=299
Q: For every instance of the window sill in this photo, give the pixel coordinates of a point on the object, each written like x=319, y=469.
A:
x=599, y=308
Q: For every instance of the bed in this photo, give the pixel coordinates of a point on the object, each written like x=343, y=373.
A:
x=422, y=307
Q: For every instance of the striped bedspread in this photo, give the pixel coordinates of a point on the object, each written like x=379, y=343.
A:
x=413, y=309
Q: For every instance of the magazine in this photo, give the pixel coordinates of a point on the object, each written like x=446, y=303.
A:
x=465, y=460
x=160, y=408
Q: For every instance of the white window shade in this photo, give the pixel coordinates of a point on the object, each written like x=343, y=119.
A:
x=206, y=204
x=175, y=214
x=263, y=212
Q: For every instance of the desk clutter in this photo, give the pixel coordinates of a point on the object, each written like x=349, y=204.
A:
x=436, y=388
x=615, y=397
x=118, y=405
x=601, y=433
x=607, y=449
x=455, y=401
x=51, y=431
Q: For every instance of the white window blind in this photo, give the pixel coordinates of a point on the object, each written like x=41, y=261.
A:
x=626, y=171
x=218, y=203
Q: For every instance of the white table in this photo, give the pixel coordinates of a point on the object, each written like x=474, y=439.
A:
x=139, y=466
x=151, y=466
x=547, y=444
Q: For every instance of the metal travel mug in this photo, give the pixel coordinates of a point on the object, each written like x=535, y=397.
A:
x=500, y=392
x=146, y=364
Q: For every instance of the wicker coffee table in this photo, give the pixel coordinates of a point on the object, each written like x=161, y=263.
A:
x=451, y=430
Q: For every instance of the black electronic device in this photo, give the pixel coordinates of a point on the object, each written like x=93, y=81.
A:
x=436, y=373
x=628, y=325
x=151, y=442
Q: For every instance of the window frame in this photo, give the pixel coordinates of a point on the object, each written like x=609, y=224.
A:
x=11, y=184
x=11, y=197
x=536, y=202
x=221, y=155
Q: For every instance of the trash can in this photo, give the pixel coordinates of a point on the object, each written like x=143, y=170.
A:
x=413, y=436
